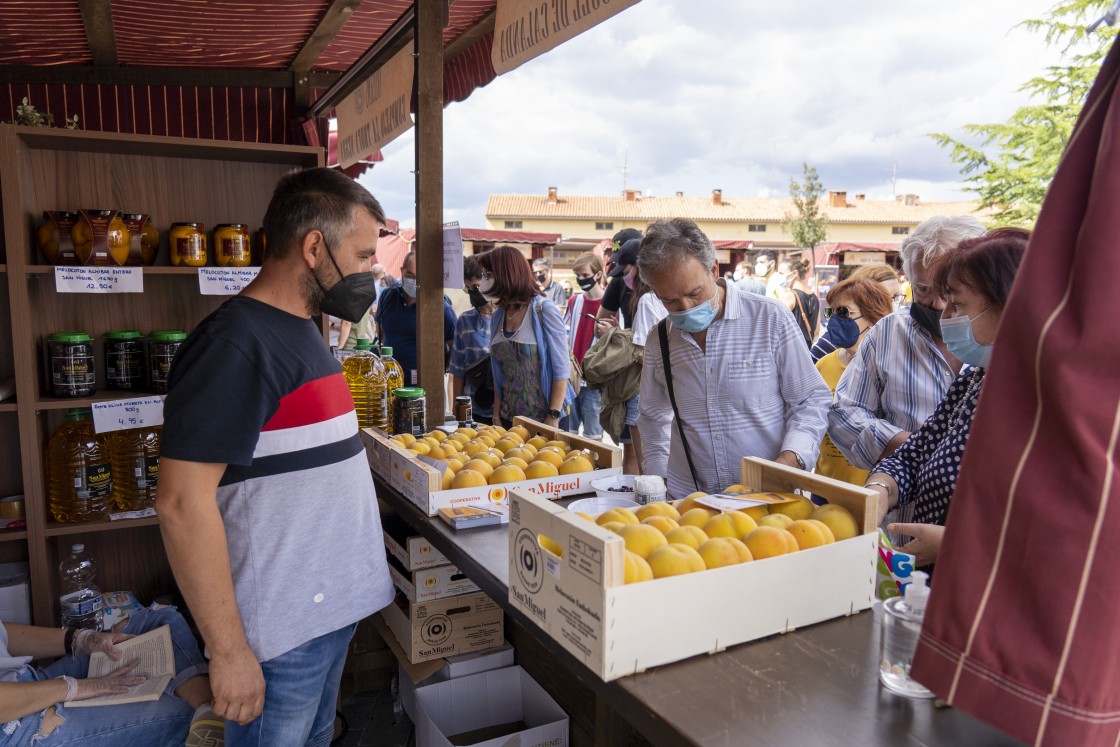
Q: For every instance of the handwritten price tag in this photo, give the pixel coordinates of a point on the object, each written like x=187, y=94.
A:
x=122, y=414
x=224, y=281
x=99, y=279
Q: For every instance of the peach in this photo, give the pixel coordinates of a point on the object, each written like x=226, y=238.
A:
x=839, y=520
x=662, y=524
x=635, y=569
x=720, y=551
x=767, y=542
x=642, y=539
x=675, y=559
x=657, y=508
x=731, y=524
x=687, y=535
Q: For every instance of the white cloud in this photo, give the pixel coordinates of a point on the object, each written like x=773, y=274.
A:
x=700, y=95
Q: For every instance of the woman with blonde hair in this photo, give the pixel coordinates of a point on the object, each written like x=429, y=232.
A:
x=580, y=320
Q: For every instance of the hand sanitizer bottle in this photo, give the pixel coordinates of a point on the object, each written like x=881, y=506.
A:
x=902, y=622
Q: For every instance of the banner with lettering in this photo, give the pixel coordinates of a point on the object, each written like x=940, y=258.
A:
x=524, y=29
x=377, y=111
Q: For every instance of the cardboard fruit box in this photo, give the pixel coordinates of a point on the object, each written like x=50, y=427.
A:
x=444, y=627
x=420, y=479
x=579, y=598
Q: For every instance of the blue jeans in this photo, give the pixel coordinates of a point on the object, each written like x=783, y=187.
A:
x=154, y=722
x=300, y=696
x=585, y=412
x=631, y=419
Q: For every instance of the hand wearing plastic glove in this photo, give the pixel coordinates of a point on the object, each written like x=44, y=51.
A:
x=116, y=682
x=86, y=642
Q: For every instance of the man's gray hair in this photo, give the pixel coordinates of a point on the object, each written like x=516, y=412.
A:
x=936, y=237
x=668, y=242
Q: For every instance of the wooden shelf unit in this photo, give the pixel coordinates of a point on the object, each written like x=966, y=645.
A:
x=170, y=179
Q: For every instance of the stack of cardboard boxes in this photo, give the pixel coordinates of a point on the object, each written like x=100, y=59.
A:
x=458, y=682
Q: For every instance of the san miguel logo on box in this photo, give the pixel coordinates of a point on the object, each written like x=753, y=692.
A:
x=547, y=487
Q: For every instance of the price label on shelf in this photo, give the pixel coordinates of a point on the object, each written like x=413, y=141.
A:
x=224, y=281
x=99, y=279
x=122, y=414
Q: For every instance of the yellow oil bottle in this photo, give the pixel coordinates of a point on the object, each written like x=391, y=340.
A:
x=135, y=467
x=79, y=470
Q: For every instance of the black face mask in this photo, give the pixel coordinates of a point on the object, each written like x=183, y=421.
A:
x=477, y=299
x=350, y=298
x=586, y=284
x=540, y=277
x=927, y=318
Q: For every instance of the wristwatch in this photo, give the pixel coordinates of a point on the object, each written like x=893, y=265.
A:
x=800, y=461
x=555, y=414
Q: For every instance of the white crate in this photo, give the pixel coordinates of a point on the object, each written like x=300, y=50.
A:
x=618, y=629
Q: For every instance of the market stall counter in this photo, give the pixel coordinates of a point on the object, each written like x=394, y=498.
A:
x=818, y=685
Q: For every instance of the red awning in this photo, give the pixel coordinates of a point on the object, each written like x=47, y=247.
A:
x=150, y=73
x=496, y=236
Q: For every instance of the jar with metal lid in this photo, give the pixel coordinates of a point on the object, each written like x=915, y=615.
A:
x=71, y=364
x=162, y=347
x=231, y=245
x=187, y=244
x=139, y=223
x=124, y=360
x=117, y=237
x=409, y=406
x=463, y=411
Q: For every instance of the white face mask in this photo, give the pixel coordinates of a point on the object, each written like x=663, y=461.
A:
x=485, y=287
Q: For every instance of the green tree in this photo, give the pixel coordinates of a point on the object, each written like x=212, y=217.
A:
x=1009, y=165
x=809, y=226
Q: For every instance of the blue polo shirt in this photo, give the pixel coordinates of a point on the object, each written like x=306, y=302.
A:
x=397, y=320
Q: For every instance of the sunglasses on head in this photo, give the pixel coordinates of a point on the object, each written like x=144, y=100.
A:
x=841, y=311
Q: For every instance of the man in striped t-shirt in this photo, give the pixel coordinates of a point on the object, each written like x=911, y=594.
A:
x=741, y=374
x=266, y=501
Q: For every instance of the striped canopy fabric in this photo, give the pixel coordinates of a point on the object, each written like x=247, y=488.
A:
x=1022, y=628
x=241, y=35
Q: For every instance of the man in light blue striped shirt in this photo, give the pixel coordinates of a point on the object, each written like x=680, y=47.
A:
x=741, y=374
x=902, y=369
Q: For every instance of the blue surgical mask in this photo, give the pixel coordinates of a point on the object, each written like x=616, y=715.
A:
x=408, y=285
x=956, y=332
x=843, y=331
x=696, y=319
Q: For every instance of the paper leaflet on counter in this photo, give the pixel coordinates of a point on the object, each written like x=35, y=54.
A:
x=156, y=659
x=736, y=501
x=893, y=569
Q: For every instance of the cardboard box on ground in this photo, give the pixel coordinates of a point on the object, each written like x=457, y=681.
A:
x=492, y=709
x=420, y=479
x=580, y=600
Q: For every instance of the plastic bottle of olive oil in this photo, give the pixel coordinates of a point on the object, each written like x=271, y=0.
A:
x=79, y=470
x=395, y=376
x=135, y=467
x=362, y=370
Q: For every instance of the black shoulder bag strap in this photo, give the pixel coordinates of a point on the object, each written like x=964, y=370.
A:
x=663, y=336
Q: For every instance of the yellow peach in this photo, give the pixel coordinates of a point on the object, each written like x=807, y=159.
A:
x=675, y=559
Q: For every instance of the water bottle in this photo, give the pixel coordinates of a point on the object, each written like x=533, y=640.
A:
x=902, y=622
x=81, y=599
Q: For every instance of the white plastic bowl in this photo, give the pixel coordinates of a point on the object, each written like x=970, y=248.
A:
x=602, y=487
x=596, y=506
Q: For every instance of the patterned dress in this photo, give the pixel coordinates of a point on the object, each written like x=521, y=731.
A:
x=926, y=465
x=520, y=360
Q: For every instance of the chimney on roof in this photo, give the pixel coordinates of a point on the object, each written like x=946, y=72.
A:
x=910, y=200
x=552, y=198
x=680, y=194
x=860, y=197
x=631, y=194
x=837, y=199
x=717, y=196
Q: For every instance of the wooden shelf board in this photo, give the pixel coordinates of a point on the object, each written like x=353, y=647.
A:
x=3, y=267
x=148, y=270
x=56, y=529
x=11, y=535
x=101, y=395
x=8, y=406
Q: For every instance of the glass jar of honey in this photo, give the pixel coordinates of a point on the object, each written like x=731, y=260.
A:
x=231, y=245
x=141, y=224
x=187, y=243
x=117, y=237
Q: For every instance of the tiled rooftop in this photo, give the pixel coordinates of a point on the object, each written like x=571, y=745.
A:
x=736, y=209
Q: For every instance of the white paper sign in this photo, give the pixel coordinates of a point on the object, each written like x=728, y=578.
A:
x=99, y=279
x=122, y=414
x=452, y=255
x=722, y=502
x=224, y=281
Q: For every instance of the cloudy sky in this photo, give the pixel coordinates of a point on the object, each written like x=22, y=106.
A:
x=693, y=95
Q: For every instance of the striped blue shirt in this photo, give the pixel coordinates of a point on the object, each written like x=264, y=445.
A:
x=472, y=344
x=753, y=392
x=893, y=384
